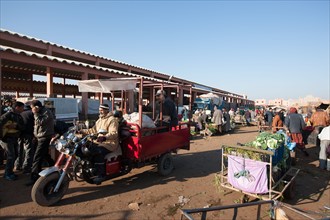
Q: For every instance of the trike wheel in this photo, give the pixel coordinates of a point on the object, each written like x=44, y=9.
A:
x=43, y=190
x=290, y=193
x=165, y=164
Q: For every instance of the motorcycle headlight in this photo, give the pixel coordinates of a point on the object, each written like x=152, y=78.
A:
x=61, y=145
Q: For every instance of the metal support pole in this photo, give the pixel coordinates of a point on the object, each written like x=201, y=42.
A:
x=122, y=99
x=140, y=102
x=125, y=103
x=153, y=104
x=161, y=108
x=63, y=87
x=101, y=98
x=112, y=101
x=50, y=84
x=177, y=98
x=190, y=103
x=84, y=98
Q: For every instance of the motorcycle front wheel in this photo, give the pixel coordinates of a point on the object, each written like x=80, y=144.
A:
x=43, y=190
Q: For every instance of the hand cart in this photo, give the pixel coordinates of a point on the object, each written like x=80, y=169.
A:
x=278, y=185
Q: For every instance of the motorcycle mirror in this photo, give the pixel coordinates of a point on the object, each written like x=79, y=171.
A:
x=102, y=131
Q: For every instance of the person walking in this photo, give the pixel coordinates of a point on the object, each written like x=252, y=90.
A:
x=295, y=123
x=43, y=131
x=11, y=125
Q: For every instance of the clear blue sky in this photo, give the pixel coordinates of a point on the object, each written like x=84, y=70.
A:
x=265, y=49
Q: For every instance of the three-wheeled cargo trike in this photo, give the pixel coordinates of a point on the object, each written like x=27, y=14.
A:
x=142, y=146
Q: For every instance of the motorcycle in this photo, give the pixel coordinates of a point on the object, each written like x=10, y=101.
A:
x=74, y=163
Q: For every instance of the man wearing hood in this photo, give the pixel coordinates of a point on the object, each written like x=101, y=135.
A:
x=105, y=143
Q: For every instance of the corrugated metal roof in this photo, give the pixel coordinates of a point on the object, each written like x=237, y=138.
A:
x=75, y=50
x=119, y=62
x=73, y=62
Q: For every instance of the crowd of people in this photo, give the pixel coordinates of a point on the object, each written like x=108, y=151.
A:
x=26, y=131
x=297, y=126
x=223, y=120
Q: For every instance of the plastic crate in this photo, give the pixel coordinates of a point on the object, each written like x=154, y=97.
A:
x=278, y=155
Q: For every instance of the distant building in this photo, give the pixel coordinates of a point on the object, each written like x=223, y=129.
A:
x=306, y=101
x=278, y=102
x=260, y=102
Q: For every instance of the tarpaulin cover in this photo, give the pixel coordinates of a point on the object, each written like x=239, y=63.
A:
x=247, y=175
x=215, y=98
x=106, y=85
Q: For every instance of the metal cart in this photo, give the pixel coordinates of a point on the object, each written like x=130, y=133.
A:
x=277, y=187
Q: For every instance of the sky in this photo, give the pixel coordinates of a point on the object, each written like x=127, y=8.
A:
x=264, y=49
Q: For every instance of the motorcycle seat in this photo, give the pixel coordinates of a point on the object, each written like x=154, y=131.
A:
x=113, y=155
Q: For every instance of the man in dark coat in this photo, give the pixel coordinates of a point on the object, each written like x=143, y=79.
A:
x=11, y=125
x=26, y=141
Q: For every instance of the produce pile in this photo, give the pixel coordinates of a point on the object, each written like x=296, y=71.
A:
x=267, y=141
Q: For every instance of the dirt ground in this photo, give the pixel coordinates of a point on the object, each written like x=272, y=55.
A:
x=158, y=197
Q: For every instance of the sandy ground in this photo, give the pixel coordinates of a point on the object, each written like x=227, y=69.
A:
x=158, y=197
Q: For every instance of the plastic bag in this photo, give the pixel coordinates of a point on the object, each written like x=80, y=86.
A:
x=147, y=122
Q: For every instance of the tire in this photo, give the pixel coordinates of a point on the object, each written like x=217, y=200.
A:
x=165, y=164
x=290, y=191
x=41, y=191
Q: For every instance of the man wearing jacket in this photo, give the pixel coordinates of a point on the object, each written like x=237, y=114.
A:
x=26, y=140
x=105, y=143
x=43, y=131
x=11, y=125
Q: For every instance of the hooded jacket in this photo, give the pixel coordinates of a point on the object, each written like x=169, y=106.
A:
x=109, y=123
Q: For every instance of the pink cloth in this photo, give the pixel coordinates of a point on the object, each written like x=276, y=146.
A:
x=254, y=178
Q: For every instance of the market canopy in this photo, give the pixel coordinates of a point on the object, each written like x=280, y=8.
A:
x=107, y=85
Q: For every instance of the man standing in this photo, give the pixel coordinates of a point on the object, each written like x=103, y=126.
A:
x=43, y=131
x=26, y=139
x=11, y=124
x=105, y=143
x=226, y=117
x=319, y=120
x=217, y=119
x=324, y=137
x=247, y=115
x=277, y=122
x=295, y=123
x=269, y=117
x=170, y=115
x=232, y=112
